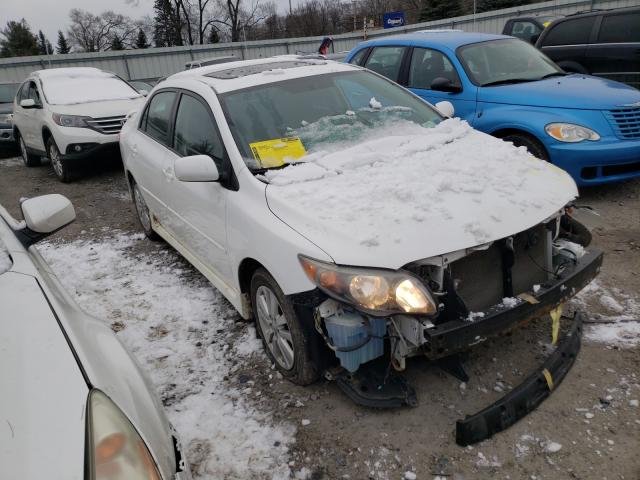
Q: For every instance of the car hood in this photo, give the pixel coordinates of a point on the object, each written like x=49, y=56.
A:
x=572, y=91
x=44, y=394
x=109, y=108
x=409, y=193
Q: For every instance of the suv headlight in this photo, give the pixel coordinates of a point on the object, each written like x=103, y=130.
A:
x=377, y=292
x=568, y=132
x=70, y=120
x=116, y=450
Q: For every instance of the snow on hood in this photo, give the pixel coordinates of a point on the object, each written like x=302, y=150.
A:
x=70, y=86
x=408, y=193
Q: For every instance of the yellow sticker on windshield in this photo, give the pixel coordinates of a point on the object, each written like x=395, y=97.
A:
x=546, y=24
x=276, y=152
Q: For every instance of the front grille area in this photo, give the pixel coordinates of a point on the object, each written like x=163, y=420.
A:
x=107, y=125
x=625, y=122
x=480, y=276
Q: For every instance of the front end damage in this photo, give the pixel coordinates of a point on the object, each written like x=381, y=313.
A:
x=480, y=292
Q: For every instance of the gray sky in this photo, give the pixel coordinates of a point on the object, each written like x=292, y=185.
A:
x=53, y=15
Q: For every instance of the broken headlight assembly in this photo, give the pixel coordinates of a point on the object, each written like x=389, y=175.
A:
x=373, y=291
x=116, y=450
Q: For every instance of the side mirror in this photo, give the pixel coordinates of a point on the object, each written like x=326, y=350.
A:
x=445, y=108
x=28, y=103
x=196, y=168
x=45, y=215
x=441, y=84
x=143, y=92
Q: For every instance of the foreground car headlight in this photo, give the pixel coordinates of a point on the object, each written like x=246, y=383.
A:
x=6, y=118
x=70, y=120
x=116, y=451
x=568, y=132
x=378, y=292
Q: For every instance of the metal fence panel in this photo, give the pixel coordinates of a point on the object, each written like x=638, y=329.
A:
x=154, y=63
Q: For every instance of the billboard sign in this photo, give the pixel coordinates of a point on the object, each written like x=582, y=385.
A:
x=393, y=19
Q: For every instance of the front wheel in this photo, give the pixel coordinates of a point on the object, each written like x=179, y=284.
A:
x=534, y=147
x=27, y=158
x=142, y=211
x=280, y=330
x=60, y=166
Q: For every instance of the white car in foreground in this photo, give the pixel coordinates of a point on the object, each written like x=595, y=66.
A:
x=71, y=116
x=358, y=225
x=74, y=403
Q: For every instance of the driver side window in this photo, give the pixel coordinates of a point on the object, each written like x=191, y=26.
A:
x=427, y=65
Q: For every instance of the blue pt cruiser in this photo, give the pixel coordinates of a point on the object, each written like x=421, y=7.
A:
x=586, y=125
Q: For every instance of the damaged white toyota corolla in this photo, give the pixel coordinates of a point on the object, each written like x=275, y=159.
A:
x=357, y=224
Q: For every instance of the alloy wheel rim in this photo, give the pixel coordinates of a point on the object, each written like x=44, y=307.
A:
x=141, y=208
x=275, y=328
x=54, y=156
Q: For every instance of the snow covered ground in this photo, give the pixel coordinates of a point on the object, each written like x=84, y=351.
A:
x=190, y=341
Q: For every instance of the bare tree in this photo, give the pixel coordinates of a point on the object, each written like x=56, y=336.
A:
x=237, y=18
x=95, y=33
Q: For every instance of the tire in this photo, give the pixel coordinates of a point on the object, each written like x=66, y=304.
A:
x=534, y=147
x=28, y=159
x=142, y=213
x=280, y=330
x=61, y=167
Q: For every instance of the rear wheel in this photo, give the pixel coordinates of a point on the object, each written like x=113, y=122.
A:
x=142, y=211
x=61, y=167
x=280, y=330
x=28, y=159
x=534, y=147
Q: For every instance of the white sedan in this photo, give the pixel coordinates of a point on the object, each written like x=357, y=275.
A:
x=354, y=221
x=74, y=403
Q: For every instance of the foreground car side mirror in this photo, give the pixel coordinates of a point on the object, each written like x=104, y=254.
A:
x=196, y=168
x=28, y=103
x=143, y=92
x=445, y=108
x=441, y=84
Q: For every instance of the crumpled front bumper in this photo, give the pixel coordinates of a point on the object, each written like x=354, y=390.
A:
x=455, y=336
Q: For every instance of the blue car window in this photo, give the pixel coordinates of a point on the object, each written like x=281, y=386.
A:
x=427, y=65
x=386, y=61
x=357, y=58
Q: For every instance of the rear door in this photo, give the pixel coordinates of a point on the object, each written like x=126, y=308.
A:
x=28, y=119
x=565, y=42
x=387, y=61
x=615, y=51
x=428, y=64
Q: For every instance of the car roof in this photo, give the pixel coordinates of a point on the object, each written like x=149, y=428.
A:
x=448, y=38
x=226, y=77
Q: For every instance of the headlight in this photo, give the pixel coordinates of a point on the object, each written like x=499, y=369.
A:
x=378, y=292
x=116, y=451
x=567, y=132
x=6, y=118
x=70, y=120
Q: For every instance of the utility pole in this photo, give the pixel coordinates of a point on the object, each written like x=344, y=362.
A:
x=354, y=15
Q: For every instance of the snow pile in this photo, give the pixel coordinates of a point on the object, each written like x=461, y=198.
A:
x=408, y=188
x=184, y=334
x=616, y=313
x=68, y=86
x=5, y=259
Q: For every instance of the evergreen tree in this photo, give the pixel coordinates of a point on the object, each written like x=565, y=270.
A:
x=63, y=46
x=214, y=37
x=164, y=24
x=44, y=45
x=18, y=40
x=439, y=9
x=116, y=43
x=141, y=41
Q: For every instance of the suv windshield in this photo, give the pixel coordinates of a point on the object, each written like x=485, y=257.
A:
x=8, y=92
x=506, y=61
x=276, y=123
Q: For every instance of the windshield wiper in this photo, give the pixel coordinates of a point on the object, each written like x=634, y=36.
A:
x=507, y=81
x=554, y=74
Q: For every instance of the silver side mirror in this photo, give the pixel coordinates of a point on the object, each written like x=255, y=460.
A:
x=196, y=168
x=28, y=103
x=47, y=213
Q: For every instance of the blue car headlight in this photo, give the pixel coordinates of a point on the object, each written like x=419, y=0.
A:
x=570, y=133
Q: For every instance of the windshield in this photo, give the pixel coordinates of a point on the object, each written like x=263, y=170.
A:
x=8, y=92
x=505, y=61
x=278, y=123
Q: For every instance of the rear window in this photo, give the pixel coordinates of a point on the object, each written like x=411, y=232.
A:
x=157, y=117
x=620, y=28
x=570, y=32
x=386, y=61
x=5, y=259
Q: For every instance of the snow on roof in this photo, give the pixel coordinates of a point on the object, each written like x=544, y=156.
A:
x=280, y=69
x=68, y=86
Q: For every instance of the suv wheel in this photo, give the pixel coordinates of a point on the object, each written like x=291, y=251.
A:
x=142, y=211
x=280, y=330
x=28, y=159
x=534, y=147
x=60, y=166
